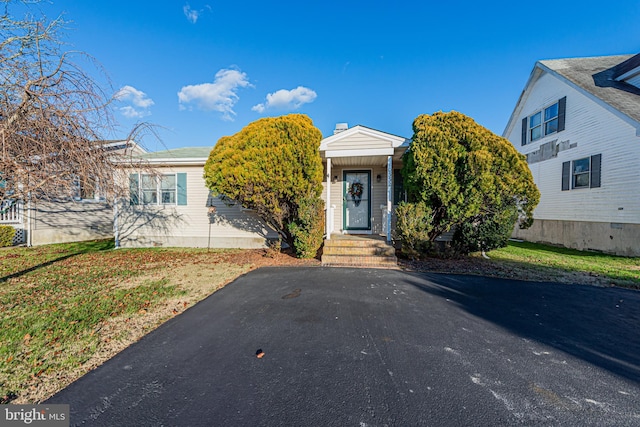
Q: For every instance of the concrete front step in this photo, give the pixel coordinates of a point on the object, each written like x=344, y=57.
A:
x=359, y=243
x=356, y=250
x=370, y=253
x=359, y=261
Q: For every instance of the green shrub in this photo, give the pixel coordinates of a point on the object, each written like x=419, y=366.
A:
x=485, y=233
x=413, y=227
x=273, y=167
x=308, y=227
x=468, y=178
x=6, y=235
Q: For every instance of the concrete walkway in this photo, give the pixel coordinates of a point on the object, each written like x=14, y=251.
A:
x=357, y=347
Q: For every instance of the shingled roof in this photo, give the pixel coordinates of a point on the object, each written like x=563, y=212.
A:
x=597, y=76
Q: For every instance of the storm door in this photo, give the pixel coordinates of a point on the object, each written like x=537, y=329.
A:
x=357, y=200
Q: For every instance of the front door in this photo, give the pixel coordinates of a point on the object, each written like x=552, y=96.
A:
x=357, y=200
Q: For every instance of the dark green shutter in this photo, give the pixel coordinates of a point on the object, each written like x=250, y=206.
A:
x=182, y=189
x=134, y=189
x=562, y=109
x=566, y=175
x=596, y=162
x=524, y=131
x=398, y=187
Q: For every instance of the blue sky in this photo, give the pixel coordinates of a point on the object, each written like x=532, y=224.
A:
x=200, y=70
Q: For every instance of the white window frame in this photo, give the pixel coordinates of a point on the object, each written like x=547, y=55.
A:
x=538, y=126
x=546, y=121
x=159, y=191
x=79, y=189
x=575, y=174
x=542, y=125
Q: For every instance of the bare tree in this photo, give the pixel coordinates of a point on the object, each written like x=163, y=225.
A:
x=54, y=115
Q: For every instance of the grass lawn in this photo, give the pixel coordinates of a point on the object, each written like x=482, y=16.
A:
x=67, y=308
x=611, y=270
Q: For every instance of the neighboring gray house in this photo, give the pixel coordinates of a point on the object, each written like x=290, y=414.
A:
x=578, y=123
x=84, y=215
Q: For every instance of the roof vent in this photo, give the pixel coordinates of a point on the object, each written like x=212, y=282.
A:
x=340, y=127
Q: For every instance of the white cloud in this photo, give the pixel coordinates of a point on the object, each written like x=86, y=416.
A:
x=221, y=95
x=139, y=102
x=131, y=113
x=287, y=99
x=192, y=15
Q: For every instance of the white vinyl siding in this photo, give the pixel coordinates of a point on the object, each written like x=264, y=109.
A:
x=594, y=130
x=362, y=142
x=188, y=224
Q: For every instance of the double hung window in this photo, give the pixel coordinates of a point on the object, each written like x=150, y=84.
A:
x=166, y=189
x=582, y=173
x=539, y=127
x=546, y=121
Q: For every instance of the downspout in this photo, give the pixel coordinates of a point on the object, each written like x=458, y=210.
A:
x=116, y=230
x=327, y=203
x=29, y=240
x=389, y=177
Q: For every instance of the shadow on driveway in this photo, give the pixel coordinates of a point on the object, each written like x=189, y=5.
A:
x=597, y=325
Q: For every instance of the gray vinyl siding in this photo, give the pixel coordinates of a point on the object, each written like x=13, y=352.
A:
x=69, y=221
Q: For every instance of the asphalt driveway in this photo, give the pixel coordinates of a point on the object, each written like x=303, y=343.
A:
x=354, y=347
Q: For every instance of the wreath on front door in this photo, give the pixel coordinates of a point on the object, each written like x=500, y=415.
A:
x=355, y=191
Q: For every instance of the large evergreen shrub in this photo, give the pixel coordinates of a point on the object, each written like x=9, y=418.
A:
x=273, y=166
x=469, y=179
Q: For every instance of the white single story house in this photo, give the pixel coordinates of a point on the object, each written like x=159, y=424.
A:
x=172, y=206
x=169, y=205
x=578, y=123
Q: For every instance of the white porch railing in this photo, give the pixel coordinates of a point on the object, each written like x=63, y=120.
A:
x=11, y=212
x=330, y=212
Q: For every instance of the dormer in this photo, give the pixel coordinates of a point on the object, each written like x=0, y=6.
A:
x=629, y=71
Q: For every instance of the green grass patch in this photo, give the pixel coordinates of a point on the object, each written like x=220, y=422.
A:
x=621, y=271
x=54, y=300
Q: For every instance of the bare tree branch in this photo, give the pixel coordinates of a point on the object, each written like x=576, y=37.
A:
x=54, y=116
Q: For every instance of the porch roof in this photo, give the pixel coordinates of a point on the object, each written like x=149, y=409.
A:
x=362, y=146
